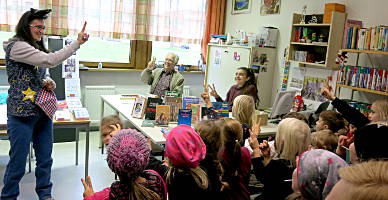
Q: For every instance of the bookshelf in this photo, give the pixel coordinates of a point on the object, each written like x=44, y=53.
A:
x=339, y=86
x=363, y=89
x=365, y=51
x=313, y=52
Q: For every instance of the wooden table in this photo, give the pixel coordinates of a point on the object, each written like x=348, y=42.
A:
x=77, y=124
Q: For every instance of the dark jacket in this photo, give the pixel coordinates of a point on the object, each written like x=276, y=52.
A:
x=352, y=115
x=276, y=177
x=184, y=187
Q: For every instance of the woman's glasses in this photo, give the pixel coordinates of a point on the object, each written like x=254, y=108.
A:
x=40, y=27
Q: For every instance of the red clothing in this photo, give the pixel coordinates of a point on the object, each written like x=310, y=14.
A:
x=240, y=187
x=235, y=91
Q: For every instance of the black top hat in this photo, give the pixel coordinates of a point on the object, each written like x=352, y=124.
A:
x=38, y=14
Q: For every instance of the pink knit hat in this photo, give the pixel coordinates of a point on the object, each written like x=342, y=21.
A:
x=128, y=152
x=184, y=147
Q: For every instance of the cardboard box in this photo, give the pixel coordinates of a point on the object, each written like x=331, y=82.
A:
x=329, y=8
x=260, y=115
x=268, y=36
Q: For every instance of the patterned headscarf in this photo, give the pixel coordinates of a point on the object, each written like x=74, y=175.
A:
x=184, y=147
x=317, y=173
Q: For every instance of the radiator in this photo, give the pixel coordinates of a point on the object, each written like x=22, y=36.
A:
x=92, y=101
x=186, y=90
x=4, y=89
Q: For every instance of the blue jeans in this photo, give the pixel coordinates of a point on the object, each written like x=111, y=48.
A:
x=21, y=131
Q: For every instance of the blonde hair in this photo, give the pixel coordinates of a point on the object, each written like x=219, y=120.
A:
x=381, y=109
x=243, y=109
x=110, y=120
x=368, y=180
x=324, y=139
x=292, y=138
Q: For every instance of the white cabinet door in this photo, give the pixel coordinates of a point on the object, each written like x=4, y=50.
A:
x=222, y=65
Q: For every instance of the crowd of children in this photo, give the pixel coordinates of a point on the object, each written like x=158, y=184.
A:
x=210, y=161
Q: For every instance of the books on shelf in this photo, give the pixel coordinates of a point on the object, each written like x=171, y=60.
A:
x=364, y=77
x=162, y=117
x=361, y=38
x=184, y=116
x=150, y=110
x=81, y=114
x=175, y=104
x=139, y=107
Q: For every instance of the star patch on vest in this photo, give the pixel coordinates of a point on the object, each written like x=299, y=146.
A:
x=29, y=94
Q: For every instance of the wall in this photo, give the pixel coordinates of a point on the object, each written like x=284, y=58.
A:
x=370, y=13
x=126, y=82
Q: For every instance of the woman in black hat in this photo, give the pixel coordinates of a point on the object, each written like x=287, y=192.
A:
x=26, y=63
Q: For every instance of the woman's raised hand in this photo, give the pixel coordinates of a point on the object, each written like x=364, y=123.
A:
x=213, y=91
x=82, y=36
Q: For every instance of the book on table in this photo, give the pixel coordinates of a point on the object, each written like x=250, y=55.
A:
x=148, y=123
x=62, y=115
x=184, y=116
x=139, y=107
x=162, y=117
x=81, y=114
x=186, y=101
x=150, y=110
x=175, y=104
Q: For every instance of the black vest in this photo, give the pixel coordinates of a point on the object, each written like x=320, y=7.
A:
x=25, y=82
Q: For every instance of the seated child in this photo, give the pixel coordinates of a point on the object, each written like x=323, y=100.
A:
x=324, y=139
x=109, y=126
x=185, y=150
x=235, y=162
x=316, y=174
x=128, y=154
x=330, y=119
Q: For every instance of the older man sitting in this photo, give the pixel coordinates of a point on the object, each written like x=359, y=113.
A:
x=163, y=79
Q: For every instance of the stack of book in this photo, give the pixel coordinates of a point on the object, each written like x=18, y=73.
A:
x=364, y=77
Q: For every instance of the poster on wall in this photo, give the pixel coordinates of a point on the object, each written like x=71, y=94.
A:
x=70, y=67
x=241, y=6
x=312, y=88
x=297, y=77
x=217, y=58
x=269, y=7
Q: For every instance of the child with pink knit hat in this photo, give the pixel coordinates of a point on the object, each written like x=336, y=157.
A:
x=184, y=150
x=128, y=156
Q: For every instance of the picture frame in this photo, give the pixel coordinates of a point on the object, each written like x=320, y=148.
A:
x=269, y=7
x=241, y=6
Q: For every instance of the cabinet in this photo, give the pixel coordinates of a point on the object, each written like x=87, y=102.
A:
x=223, y=61
x=316, y=45
x=383, y=83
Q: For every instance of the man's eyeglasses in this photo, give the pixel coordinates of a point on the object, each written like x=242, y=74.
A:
x=40, y=27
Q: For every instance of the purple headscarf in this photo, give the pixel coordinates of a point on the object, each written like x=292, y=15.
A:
x=317, y=173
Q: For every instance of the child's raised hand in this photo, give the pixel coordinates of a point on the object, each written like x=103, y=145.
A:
x=327, y=93
x=256, y=128
x=265, y=149
x=88, y=187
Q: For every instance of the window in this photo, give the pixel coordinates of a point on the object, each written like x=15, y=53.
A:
x=105, y=50
x=189, y=54
x=4, y=36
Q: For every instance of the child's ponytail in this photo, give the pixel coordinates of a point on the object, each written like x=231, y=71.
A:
x=230, y=155
x=141, y=192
